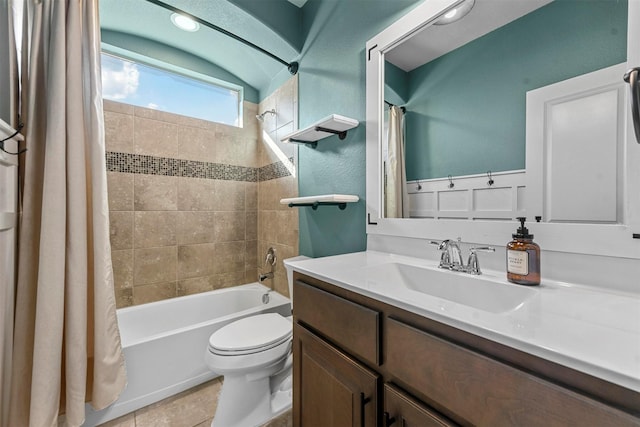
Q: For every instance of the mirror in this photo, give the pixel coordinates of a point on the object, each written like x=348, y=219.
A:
x=464, y=87
x=480, y=112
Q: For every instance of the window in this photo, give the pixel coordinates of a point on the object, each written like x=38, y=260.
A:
x=142, y=85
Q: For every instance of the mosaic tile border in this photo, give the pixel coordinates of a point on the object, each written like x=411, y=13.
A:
x=151, y=165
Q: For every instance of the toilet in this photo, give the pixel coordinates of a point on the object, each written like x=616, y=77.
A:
x=254, y=356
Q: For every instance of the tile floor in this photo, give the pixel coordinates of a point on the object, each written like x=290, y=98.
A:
x=191, y=408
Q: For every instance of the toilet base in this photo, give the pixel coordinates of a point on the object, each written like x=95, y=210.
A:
x=250, y=403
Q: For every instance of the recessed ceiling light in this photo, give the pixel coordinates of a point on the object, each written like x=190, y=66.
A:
x=184, y=23
x=457, y=13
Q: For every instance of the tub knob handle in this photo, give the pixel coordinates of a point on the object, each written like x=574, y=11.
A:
x=271, y=257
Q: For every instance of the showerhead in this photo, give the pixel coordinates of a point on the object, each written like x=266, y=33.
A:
x=260, y=117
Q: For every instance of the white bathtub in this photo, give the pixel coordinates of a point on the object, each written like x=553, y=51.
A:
x=164, y=342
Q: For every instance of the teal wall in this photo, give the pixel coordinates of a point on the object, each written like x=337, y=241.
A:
x=396, y=84
x=332, y=80
x=466, y=113
x=176, y=57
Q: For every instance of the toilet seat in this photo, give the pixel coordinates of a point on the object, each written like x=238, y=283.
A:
x=251, y=335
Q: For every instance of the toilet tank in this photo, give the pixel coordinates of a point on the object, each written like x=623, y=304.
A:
x=288, y=265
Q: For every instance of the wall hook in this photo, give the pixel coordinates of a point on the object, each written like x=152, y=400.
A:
x=419, y=186
x=451, y=184
x=491, y=181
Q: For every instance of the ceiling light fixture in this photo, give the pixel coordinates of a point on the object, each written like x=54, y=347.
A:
x=184, y=23
x=456, y=13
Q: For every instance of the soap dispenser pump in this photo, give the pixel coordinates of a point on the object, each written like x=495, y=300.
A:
x=523, y=257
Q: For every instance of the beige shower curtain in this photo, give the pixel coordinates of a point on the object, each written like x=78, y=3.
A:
x=67, y=345
x=396, y=195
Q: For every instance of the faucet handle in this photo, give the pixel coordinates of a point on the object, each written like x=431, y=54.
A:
x=482, y=249
x=473, y=265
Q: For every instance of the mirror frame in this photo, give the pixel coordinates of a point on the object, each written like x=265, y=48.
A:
x=615, y=240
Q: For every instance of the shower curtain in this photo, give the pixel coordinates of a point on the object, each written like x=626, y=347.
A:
x=7, y=286
x=396, y=195
x=67, y=344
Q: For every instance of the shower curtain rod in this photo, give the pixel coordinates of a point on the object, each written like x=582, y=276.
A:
x=404, y=110
x=291, y=66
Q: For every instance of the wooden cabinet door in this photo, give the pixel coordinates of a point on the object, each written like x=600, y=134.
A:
x=330, y=388
x=403, y=411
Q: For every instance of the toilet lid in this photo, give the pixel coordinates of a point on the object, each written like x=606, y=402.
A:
x=250, y=333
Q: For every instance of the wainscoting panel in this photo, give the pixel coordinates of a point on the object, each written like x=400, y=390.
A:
x=471, y=197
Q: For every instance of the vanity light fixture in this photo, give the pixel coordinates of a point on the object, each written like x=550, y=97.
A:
x=184, y=23
x=456, y=13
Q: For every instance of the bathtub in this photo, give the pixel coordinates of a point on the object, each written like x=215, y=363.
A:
x=164, y=342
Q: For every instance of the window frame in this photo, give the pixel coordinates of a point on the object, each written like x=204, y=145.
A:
x=137, y=58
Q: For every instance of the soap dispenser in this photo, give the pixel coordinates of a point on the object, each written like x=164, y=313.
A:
x=523, y=258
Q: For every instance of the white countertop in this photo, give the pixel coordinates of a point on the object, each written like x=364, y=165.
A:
x=591, y=330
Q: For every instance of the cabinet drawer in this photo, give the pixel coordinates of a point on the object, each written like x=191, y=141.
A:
x=402, y=411
x=351, y=326
x=474, y=389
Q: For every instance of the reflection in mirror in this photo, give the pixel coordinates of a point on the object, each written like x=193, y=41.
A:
x=464, y=85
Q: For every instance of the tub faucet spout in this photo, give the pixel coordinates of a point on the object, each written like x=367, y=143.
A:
x=264, y=277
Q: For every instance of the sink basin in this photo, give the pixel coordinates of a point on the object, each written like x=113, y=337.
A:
x=461, y=288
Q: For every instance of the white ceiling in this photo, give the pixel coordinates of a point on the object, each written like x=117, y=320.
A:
x=436, y=40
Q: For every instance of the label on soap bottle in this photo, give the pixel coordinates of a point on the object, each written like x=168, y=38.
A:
x=518, y=262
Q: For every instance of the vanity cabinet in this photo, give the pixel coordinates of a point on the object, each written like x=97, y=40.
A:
x=338, y=391
x=361, y=362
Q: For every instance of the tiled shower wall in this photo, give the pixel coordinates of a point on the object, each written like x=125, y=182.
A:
x=277, y=223
x=184, y=201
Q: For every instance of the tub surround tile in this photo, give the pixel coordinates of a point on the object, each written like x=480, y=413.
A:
x=229, y=196
x=191, y=200
x=251, y=230
x=122, y=261
x=154, y=292
x=195, y=227
x=120, y=191
x=286, y=226
x=196, y=194
x=155, y=265
x=121, y=230
x=117, y=107
x=155, y=138
x=152, y=229
x=195, y=260
x=124, y=297
x=118, y=129
x=251, y=255
x=228, y=280
x=228, y=257
x=251, y=196
x=155, y=193
x=197, y=143
x=196, y=285
x=229, y=226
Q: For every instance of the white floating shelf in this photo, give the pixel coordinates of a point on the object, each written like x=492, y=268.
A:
x=329, y=126
x=339, y=200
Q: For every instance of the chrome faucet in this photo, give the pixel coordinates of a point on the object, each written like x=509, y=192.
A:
x=269, y=260
x=451, y=256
